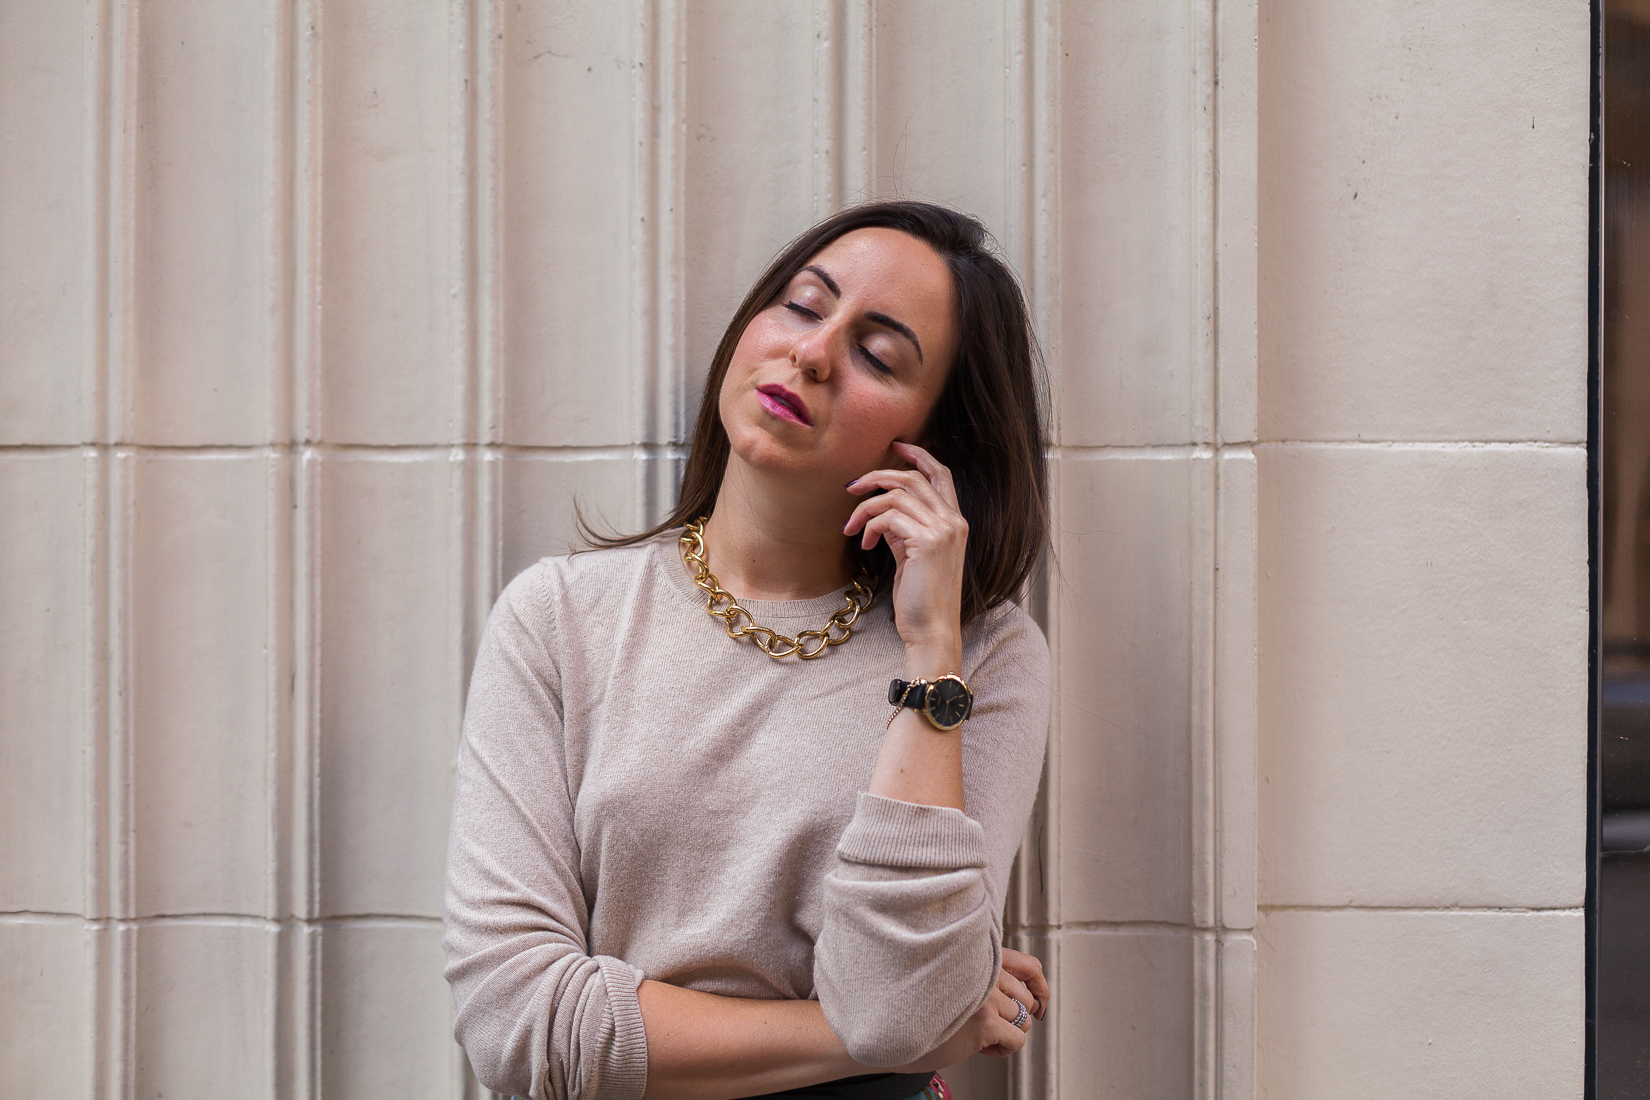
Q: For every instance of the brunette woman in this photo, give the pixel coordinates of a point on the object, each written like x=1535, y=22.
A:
x=766, y=849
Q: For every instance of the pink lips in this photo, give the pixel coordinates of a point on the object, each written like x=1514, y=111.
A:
x=784, y=404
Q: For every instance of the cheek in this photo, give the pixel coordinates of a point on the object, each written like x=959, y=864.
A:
x=746, y=354
x=874, y=420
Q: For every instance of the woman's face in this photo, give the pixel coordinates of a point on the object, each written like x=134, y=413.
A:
x=847, y=359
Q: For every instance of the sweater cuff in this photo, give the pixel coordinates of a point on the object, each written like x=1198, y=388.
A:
x=628, y=1074
x=886, y=832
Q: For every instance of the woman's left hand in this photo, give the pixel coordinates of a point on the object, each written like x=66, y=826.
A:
x=918, y=517
x=991, y=1030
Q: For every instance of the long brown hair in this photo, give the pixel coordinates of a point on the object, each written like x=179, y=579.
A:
x=986, y=425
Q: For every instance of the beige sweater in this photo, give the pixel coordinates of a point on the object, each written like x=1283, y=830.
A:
x=638, y=795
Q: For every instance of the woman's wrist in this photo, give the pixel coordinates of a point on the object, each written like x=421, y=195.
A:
x=930, y=657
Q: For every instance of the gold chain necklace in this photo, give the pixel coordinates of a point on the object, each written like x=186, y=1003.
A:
x=740, y=624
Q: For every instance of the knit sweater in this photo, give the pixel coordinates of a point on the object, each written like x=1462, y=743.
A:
x=639, y=795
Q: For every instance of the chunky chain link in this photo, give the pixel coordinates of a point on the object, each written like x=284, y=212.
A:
x=808, y=644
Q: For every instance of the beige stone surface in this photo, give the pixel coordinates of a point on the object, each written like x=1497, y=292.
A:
x=48, y=973
x=1125, y=684
x=605, y=487
x=1135, y=263
x=390, y=675
x=1122, y=1011
x=208, y=271
x=1235, y=1069
x=1236, y=688
x=202, y=606
x=1383, y=1003
x=48, y=223
x=574, y=231
x=48, y=673
x=203, y=1008
x=1423, y=223
x=388, y=93
x=1423, y=630
x=386, y=1016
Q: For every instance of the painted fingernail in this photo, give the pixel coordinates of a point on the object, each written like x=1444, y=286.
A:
x=851, y=484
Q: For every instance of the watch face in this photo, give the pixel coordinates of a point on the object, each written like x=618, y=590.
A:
x=947, y=703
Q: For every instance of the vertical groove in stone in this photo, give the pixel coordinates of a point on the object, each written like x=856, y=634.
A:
x=1205, y=824
x=280, y=483
x=466, y=178
x=1017, y=131
x=108, y=1001
x=660, y=126
x=485, y=148
x=1034, y=202
x=827, y=105
x=119, y=236
x=856, y=109
x=1232, y=226
x=475, y=529
x=646, y=61
x=304, y=175
x=116, y=1019
x=1205, y=846
x=1205, y=1015
x=298, y=1009
x=483, y=478
x=285, y=1022
x=303, y=848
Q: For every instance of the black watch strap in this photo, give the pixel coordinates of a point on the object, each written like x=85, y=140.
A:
x=897, y=694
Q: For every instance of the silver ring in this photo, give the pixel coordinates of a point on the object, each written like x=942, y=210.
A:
x=1020, y=1019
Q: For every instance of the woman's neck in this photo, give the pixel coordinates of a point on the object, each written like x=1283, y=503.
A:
x=771, y=539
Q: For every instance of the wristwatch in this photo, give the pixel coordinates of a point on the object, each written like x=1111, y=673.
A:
x=946, y=702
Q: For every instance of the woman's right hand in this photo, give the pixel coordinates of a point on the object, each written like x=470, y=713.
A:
x=991, y=1029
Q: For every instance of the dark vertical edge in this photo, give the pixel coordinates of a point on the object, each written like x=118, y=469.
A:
x=1595, y=455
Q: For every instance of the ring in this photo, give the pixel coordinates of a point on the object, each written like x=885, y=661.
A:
x=1020, y=1019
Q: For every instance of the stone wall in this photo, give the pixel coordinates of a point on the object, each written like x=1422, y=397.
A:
x=317, y=316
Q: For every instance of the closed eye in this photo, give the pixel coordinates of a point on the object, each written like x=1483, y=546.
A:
x=798, y=307
x=874, y=361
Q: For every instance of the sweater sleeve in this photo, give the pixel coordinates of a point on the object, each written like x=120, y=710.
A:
x=538, y=1015
x=911, y=941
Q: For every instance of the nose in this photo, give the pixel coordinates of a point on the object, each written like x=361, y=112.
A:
x=811, y=353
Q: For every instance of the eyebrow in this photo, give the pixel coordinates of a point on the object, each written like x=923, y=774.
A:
x=879, y=318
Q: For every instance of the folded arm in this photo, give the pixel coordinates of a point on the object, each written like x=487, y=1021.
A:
x=704, y=1047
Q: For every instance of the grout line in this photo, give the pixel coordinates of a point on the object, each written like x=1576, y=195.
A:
x=1115, y=926
x=1421, y=445
x=1419, y=908
x=677, y=450
x=25, y=916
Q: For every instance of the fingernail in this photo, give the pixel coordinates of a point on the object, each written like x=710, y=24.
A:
x=851, y=484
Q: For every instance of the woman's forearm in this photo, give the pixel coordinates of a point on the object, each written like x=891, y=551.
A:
x=918, y=763
x=704, y=1047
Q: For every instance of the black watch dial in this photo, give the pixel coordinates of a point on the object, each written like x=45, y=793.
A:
x=948, y=702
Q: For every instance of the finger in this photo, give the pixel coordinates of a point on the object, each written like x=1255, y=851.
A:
x=1029, y=969
x=1039, y=989
x=932, y=468
x=1005, y=1037
x=894, y=524
x=906, y=502
x=1015, y=988
x=912, y=481
x=1008, y=1008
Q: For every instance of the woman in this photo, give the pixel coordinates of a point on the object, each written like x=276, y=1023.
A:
x=684, y=864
